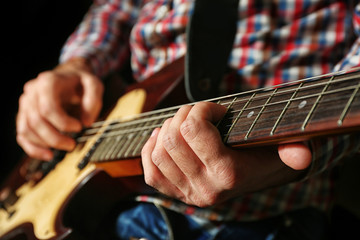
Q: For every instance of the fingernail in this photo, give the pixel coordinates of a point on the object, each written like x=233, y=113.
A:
x=154, y=133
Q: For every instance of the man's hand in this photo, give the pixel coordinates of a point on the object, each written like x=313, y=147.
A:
x=186, y=159
x=55, y=103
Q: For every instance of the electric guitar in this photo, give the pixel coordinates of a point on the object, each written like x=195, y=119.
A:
x=105, y=166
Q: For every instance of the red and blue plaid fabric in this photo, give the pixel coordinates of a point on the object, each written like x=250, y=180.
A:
x=276, y=42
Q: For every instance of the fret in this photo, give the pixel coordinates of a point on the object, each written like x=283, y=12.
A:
x=128, y=140
x=138, y=139
x=227, y=111
x=348, y=104
x=259, y=114
x=285, y=109
x=131, y=145
x=96, y=156
x=144, y=137
x=238, y=117
x=113, y=144
x=151, y=125
x=315, y=104
x=118, y=148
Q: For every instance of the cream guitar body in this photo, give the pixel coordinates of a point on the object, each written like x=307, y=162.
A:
x=42, y=204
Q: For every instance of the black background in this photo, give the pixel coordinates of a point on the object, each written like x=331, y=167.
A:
x=33, y=33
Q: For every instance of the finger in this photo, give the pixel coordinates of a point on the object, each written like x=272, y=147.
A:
x=165, y=163
x=57, y=117
x=29, y=141
x=200, y=133
x=153, y=176
x=178, y=149
x=48, y=94
x=45, y=130
x=34, y=150
x=91, y=103
x=37, y=130
x=295, y=155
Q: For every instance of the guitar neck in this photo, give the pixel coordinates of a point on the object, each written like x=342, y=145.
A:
x=320, y=106
x=306, y=109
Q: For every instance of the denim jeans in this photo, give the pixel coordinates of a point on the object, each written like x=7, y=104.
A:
x=148, y=221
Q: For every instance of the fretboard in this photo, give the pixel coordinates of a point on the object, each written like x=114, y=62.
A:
x=320, y=106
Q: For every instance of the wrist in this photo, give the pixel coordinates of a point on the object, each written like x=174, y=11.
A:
x=75, y=64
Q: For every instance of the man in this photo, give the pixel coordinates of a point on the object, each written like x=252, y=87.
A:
x=280, y=191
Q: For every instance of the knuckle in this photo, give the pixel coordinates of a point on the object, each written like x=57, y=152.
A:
x=189, y=129
x=55, y=142
x=203, y=200
x=29, y=85
x=157, y=157
x=34, y=121
x=170, y=140
x=45, y=109
x=209, y=198
x=167, y=122
x=150, y=179
x=22, y=100
x=45, y=76
x=145, y=150
x=19, y=139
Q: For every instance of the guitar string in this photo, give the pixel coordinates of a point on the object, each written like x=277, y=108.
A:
x=151, y=127
x=125, y=121
x=299, y=113
x=113, y=133
x=293, y=83
x=135, y=151
x=94, y=130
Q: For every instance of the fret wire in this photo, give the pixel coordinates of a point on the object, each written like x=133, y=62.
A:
x=128, y=139
x=259, y=114
x=227, y=110
x=315, y=104
x=320, y=77
x=238, y=117
x=98, y=125
x=142, y=138
x=303, y=97
x=113, y=147
x=118, y=148
x=296, y=114
x=334, y=107
x=133, y=142
x=95, y=155
x=114, y=133
x=122, y=123
x=348, y=104
x=285, y=109
x=141, y=143
x=104, y=149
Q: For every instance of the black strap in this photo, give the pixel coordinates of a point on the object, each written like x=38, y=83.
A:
x=210, y=37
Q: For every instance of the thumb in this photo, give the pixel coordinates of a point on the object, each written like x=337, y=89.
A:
x=91, y=102
x=295, y=155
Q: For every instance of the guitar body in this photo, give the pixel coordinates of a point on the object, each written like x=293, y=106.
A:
x=67, y=191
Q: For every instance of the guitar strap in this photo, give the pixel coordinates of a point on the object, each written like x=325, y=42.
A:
x=210, y=36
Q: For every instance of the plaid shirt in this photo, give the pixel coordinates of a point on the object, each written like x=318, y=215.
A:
x=276, y=42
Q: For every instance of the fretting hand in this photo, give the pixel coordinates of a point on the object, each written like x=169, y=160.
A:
x=187, y=160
